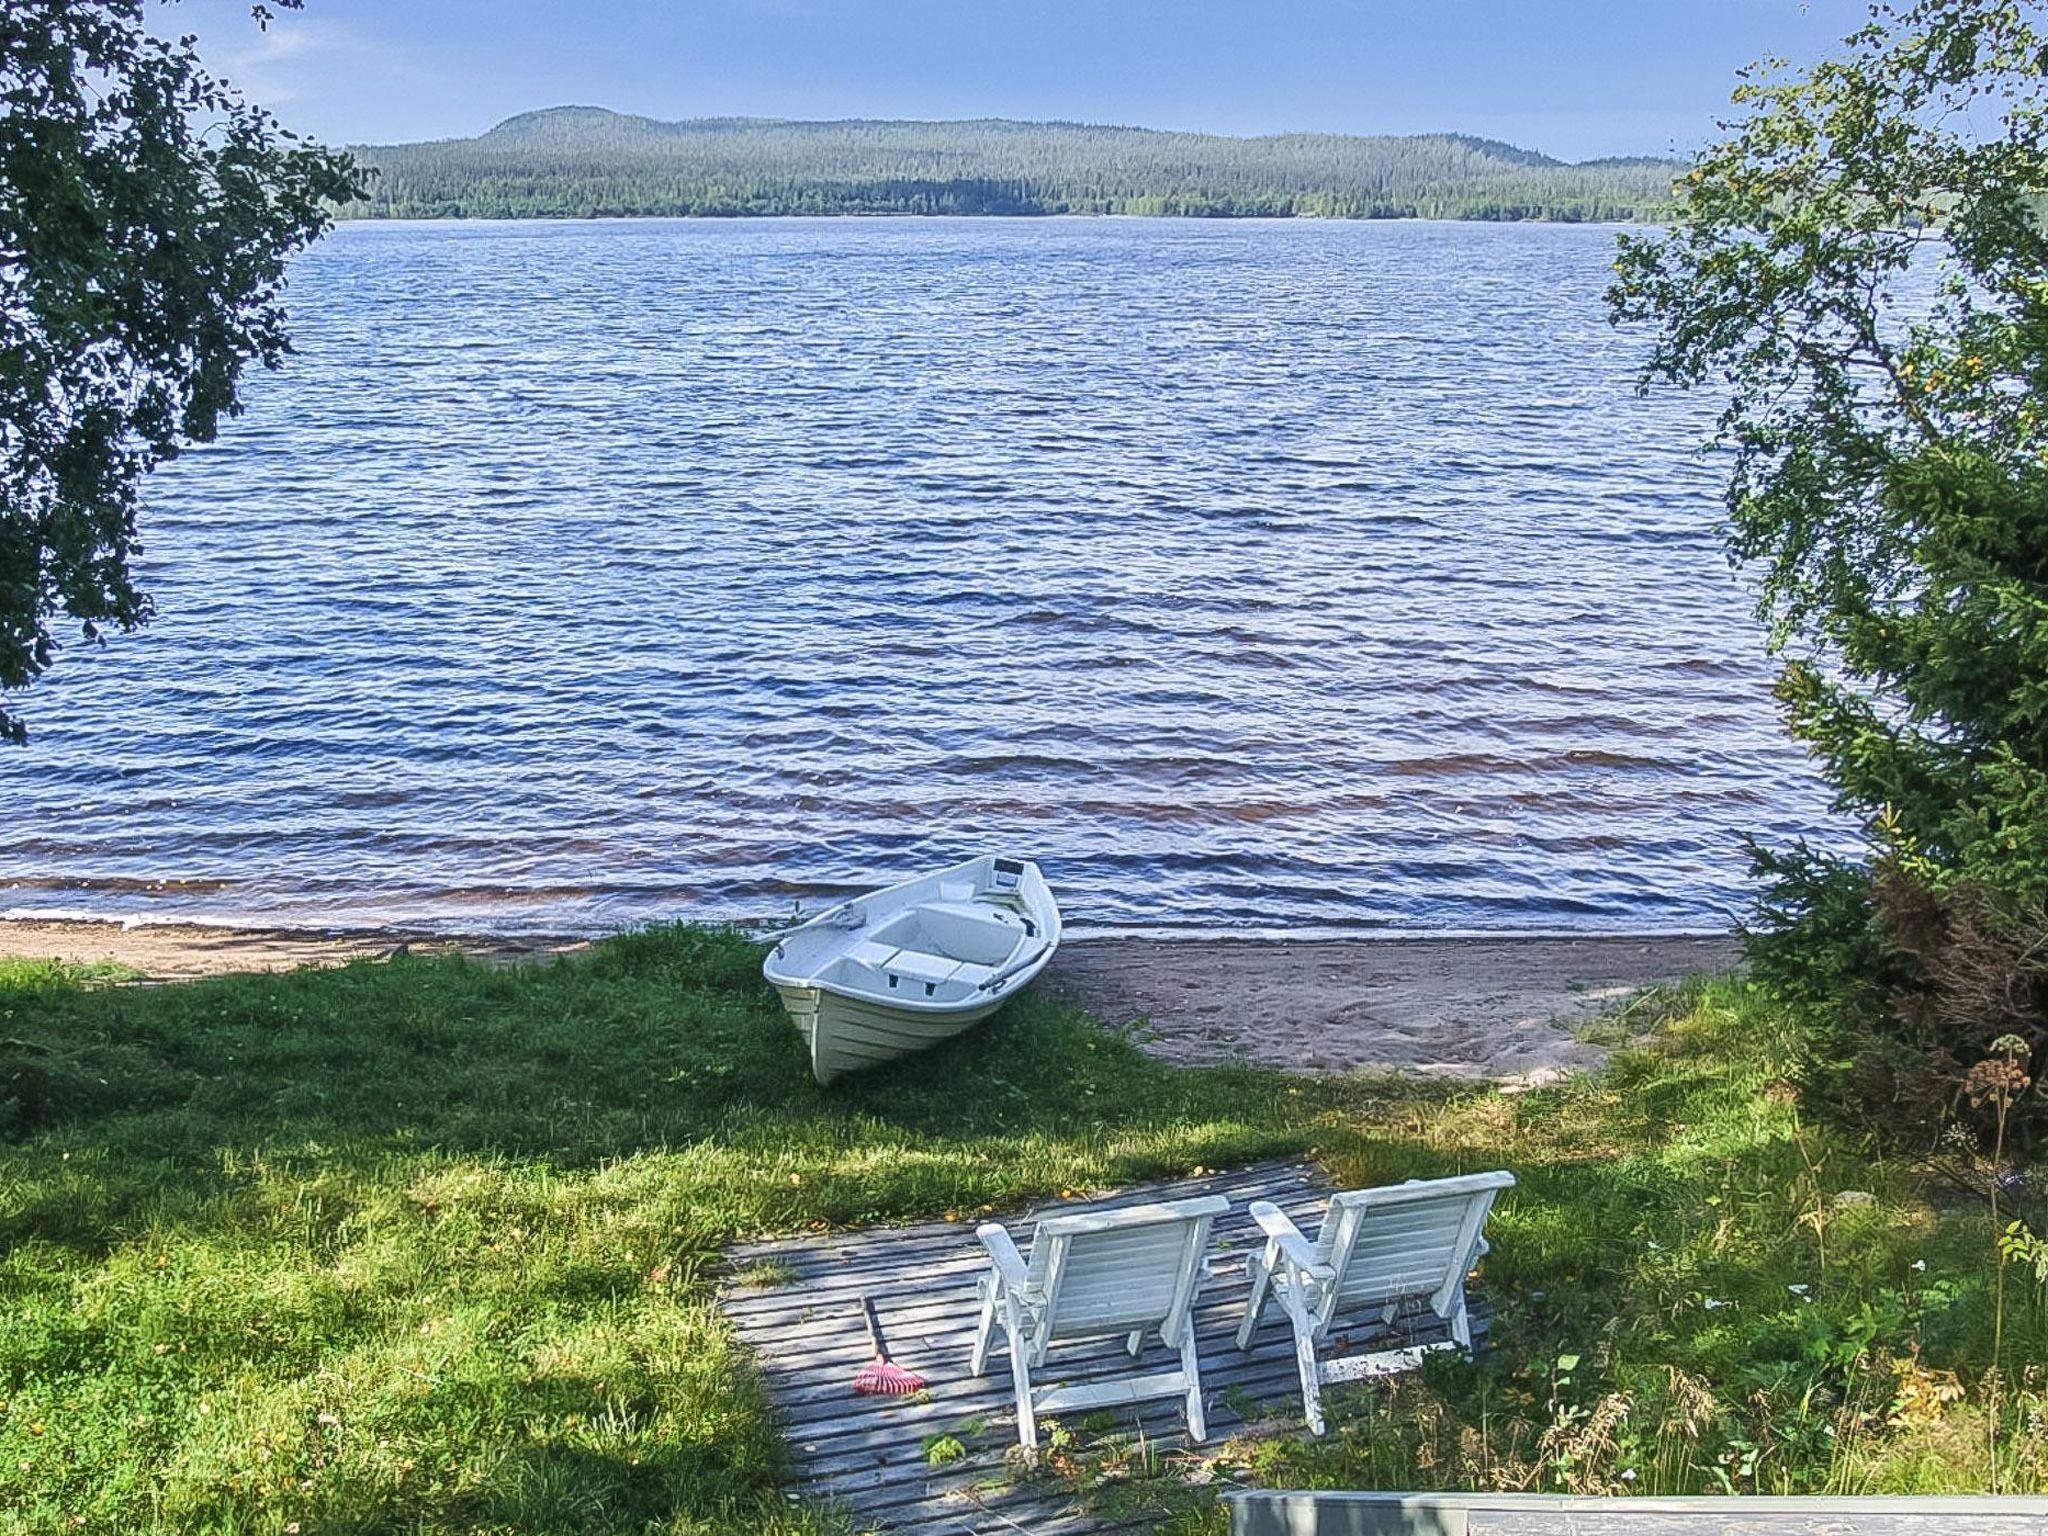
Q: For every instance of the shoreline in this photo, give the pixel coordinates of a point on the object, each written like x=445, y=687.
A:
x=1501, y=1008
x=342, y=219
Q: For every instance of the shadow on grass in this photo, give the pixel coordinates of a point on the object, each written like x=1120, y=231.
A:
x=413, y=1207
x=660, y=1040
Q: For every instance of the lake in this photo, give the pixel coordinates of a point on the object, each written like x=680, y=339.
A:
x=1261, y=576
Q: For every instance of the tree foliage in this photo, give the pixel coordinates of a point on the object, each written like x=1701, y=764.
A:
x=582, y=162
x=1862, y=265
x=146, y=214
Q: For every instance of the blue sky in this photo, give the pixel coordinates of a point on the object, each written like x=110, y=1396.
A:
x=1571, y=77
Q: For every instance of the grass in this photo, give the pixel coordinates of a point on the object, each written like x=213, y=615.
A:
x=1701, y=1292
x=422, y=1246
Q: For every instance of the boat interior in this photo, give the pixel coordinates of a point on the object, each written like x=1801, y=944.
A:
x=934, y=952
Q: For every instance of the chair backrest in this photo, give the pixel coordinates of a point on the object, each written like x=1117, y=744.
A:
x=1415, y=1239
x=1117, y=1271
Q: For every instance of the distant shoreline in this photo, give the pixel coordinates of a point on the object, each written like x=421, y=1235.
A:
x=345, y=216
x=586, y=161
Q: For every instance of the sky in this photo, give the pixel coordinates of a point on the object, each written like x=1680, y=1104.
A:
x=1573, y=78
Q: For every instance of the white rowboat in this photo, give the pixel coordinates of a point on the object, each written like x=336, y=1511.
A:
x=901, y=969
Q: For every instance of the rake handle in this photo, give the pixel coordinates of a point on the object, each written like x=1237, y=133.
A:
x=867, y=1315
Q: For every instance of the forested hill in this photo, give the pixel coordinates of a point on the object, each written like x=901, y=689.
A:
x=587, y=162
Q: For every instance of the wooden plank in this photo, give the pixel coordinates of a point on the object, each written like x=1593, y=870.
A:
x=867, y=1455
x=810, y=1407
x=809, y=1255
x=1271, y=1384
x=822, y=1366
x=824, y=1362
x=925, y=1281
x=945, y=1292
x=1288, y=1175
x=1047, y=1516
x=992, y=1487
x=1269, y=1381
x=812, y=1388
x=823, y=1424
x=882, y=1492
x=806, y=1257
x=913, y=1272
x=926, y=1338
x=1285, y=1173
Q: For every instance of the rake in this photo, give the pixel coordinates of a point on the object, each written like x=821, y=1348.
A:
x=882, y=1375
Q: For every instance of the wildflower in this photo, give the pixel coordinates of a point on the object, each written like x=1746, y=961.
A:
x=1996, y=1082
x=1920, y=1264
x=1798, y=1290
x=1713, y=1303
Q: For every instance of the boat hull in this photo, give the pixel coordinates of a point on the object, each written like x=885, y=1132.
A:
x=849, y=1034
x=904, y=968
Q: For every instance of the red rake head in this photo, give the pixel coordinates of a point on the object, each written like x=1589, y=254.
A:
x=885, y=1378
x=881, y=1375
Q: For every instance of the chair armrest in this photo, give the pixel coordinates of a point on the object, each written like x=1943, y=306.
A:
x=1281, y=1231
x=995, y=1237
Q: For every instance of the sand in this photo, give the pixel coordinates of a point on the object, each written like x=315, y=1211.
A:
x=1500, y=1009
x=1479, y=1009
x=177, y=952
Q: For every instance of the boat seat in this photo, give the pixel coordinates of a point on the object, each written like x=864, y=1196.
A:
x=915, y=965
x=972, y=911
x=869, y=953
x=955, y=931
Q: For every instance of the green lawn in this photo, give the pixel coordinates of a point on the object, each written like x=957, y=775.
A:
x=422, y=1246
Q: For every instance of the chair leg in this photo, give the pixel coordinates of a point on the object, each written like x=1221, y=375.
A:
x=1020, y=1377
x=1305, y=1362
x=1135, y=1342
x=1262, y=1283
x=1461, y=1324
x=984, y=1332
x=1191, y=1367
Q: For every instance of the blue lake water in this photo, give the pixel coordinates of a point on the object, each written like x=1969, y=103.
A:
x=1248, y=575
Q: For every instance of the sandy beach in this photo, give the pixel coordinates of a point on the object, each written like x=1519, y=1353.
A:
x=1475, y=1008
x=1470, y=1008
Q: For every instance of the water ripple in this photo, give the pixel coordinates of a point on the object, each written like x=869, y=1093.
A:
x=1249, y=575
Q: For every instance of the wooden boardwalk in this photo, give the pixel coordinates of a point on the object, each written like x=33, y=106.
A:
x=867, y=1454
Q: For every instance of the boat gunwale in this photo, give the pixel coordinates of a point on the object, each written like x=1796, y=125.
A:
x=1008, y=984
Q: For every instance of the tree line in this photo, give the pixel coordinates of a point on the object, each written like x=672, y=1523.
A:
x=582, y=162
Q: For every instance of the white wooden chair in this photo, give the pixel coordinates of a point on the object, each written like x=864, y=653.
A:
x=1091, y=1275
x=1376, y=1249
